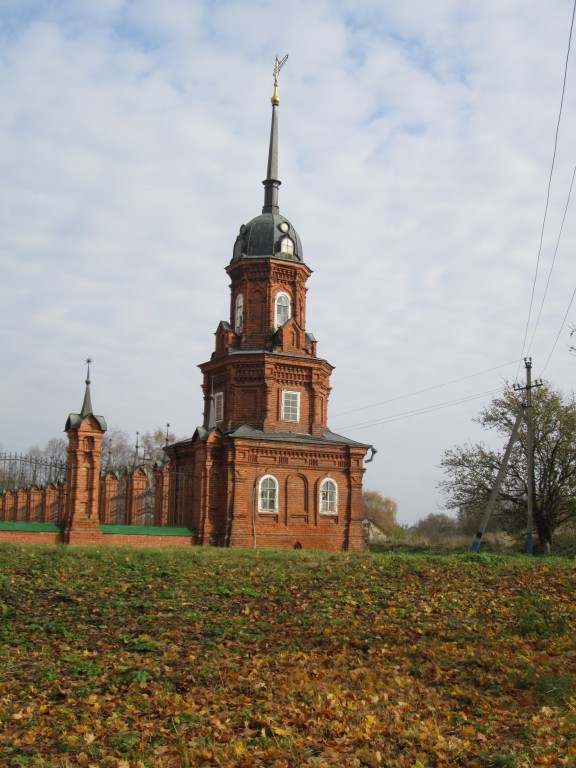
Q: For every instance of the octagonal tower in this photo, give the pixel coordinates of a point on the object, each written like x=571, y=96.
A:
x=265, y=468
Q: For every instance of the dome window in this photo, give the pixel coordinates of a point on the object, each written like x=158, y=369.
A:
x=282, y=309
x=287, y=245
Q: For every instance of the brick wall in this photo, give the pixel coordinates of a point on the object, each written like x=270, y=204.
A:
x=30, y=537
x=34, y=504
x=228, y=472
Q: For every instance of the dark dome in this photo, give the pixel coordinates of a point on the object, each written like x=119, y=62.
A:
x=269, y=235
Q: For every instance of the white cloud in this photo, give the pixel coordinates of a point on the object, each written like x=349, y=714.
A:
x=416, y=142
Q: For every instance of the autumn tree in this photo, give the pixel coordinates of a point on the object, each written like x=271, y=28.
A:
x=469, y=517
x=381, y=510
x=153, y=443
x=471, y=469
x=55, y=451
x=119, y=449
x=437, y=526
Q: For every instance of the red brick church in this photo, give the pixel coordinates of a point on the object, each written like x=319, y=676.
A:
x=263, y=470
x=266, y=470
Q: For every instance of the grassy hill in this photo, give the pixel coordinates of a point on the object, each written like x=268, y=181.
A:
x=236, y=658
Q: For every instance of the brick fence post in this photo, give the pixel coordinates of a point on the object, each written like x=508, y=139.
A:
x=84, y=452
x=85, y=432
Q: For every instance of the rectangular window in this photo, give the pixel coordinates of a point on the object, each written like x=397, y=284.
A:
x=219, y=405
x=328, y=502
x=290, y=406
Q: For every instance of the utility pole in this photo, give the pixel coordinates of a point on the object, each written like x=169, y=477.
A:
x=529, y=448
x=524, y=414
x=498, y=482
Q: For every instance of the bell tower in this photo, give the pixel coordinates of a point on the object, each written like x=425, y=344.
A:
x=266, y=466
x=264, y=370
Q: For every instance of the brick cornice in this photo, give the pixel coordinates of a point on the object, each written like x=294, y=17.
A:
x=263, y=359
x=266, y=268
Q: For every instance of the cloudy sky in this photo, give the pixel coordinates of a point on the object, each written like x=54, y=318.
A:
x=416, y=141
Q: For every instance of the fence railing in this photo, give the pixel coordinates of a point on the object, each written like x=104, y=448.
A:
x=24, y=471
x=32, y=489
x=145, y=496
x=35, y=490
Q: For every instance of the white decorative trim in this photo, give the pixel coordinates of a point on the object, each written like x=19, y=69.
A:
x=273, y=511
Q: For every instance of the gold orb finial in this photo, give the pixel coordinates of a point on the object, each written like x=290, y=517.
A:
x=278, y=64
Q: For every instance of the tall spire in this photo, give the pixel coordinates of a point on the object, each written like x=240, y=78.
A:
x=87, y=404
x=74, y=420
x=271, y=182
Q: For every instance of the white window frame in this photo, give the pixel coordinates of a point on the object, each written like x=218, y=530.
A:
x=328, y=497
x=239, y=314
x=267, y=502
x=287, y=245
x=278, y=320
x=219, y=406
x=290, y=405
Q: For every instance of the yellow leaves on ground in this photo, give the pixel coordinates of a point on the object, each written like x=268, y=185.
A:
x=241, y=659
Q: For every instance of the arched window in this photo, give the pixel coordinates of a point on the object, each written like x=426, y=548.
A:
x=268, y=494
x=282, y=309
x=239, y=314
x=286, y=245
x=328, y=497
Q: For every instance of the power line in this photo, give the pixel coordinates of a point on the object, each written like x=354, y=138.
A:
x=559, y=332
x=421, y=391
x=553, y=260
x=419, y=411
x=548, y=192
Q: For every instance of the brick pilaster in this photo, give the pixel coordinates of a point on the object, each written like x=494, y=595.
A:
x=84, y=453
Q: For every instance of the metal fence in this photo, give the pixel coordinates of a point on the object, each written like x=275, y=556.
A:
x=34, y=489
x=145, y=496
x=24, y=471
x=179, y=502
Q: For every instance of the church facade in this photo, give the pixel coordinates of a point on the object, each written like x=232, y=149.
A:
x=265, y=468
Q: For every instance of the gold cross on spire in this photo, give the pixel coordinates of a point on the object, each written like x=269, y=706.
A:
x=278, y=64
